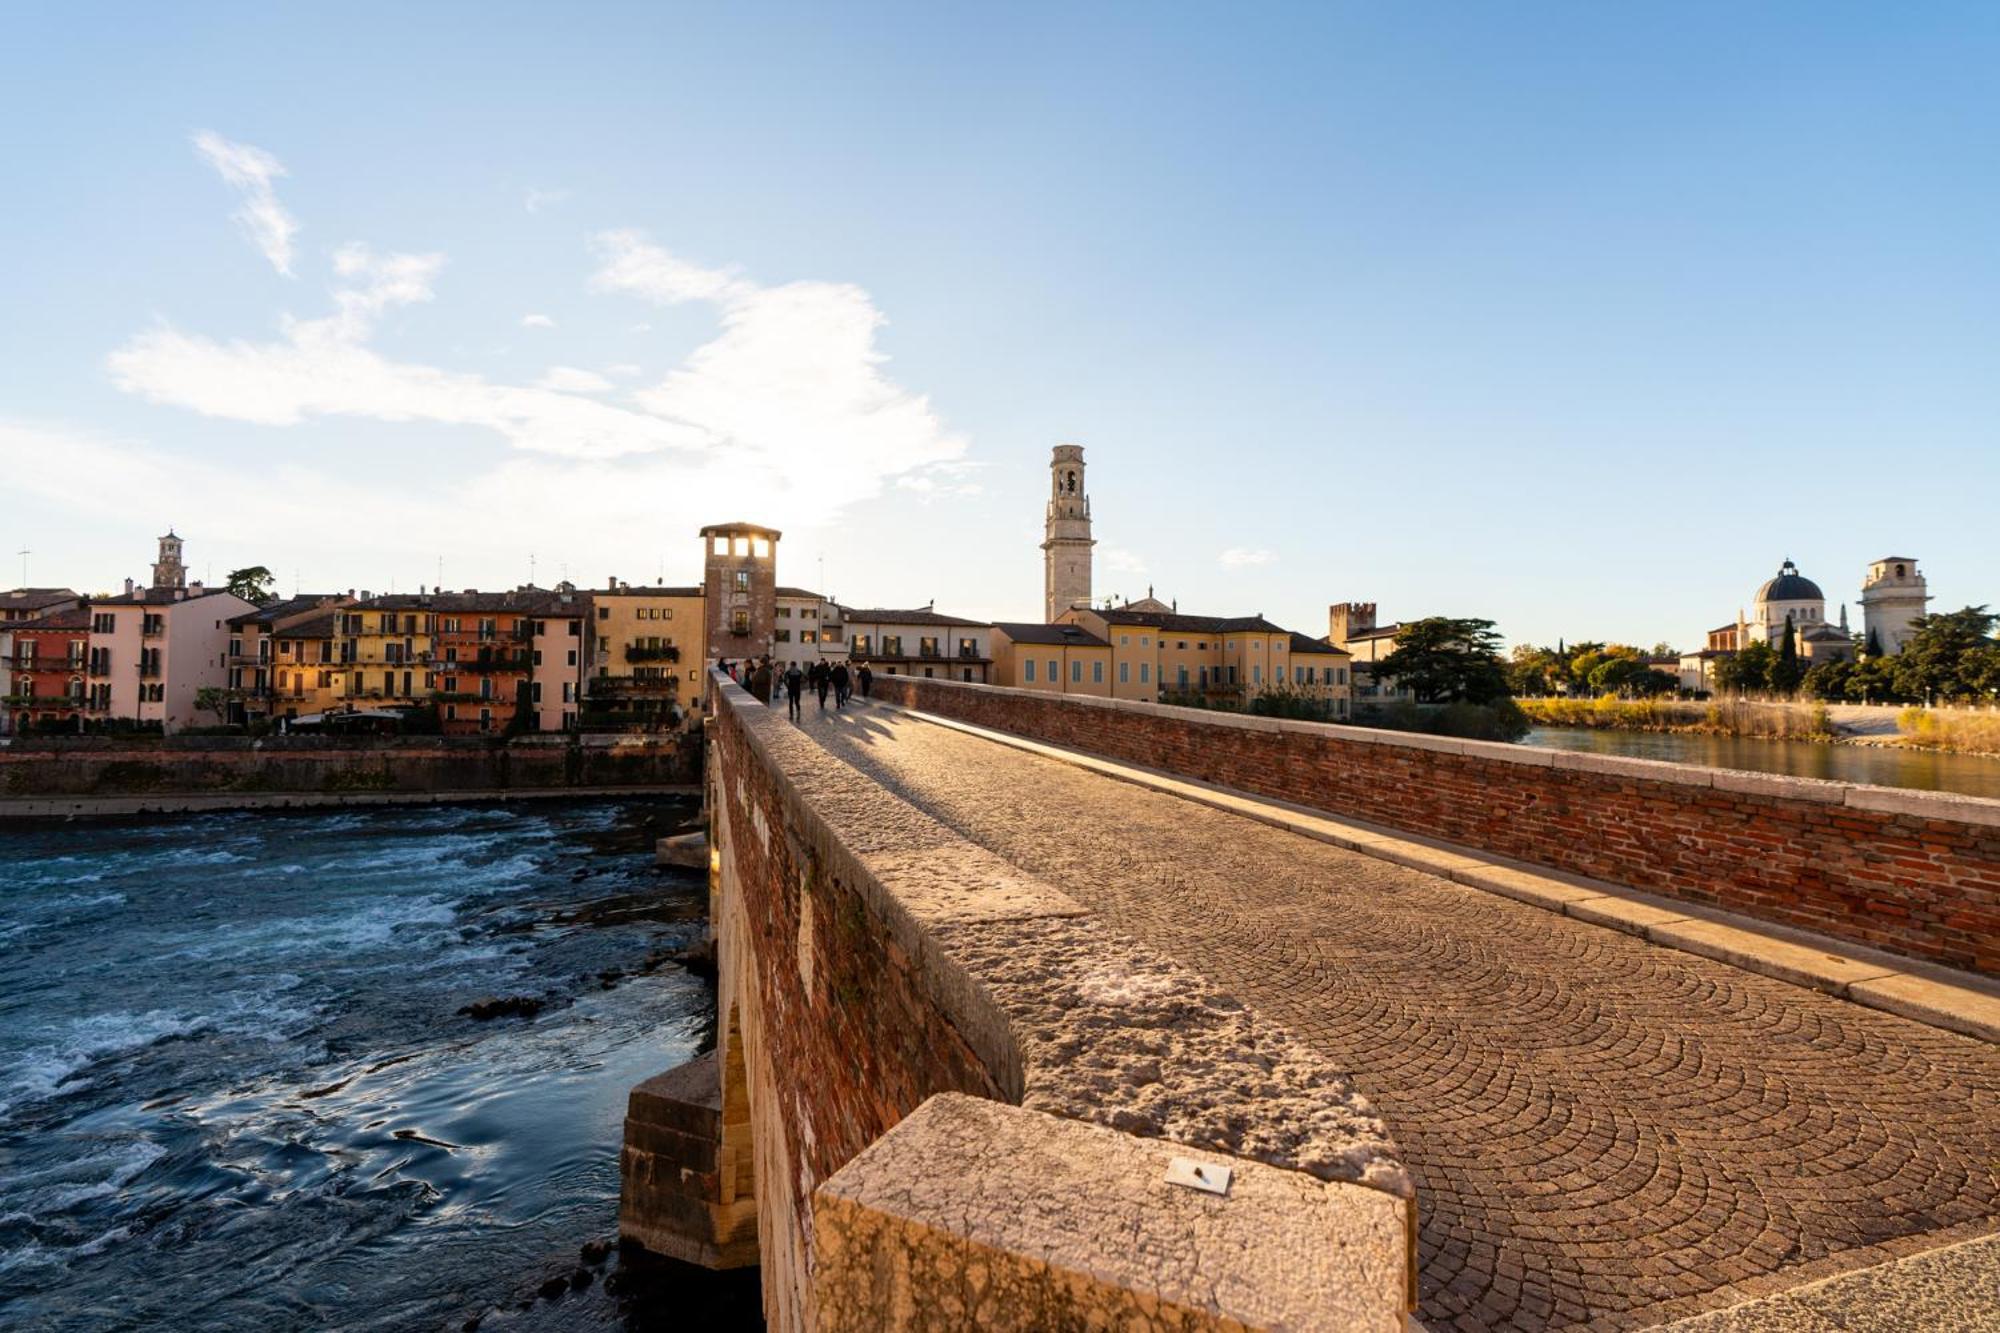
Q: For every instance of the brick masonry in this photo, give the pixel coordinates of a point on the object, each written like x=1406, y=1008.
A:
x=1916, y=873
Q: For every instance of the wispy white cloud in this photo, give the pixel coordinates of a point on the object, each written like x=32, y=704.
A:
x=537, y=322
x=250, y=171
x=537, y=200
x=795, y=373
x=571, y=379
x=1237, y=557
x=624, y=370
x=787, y=410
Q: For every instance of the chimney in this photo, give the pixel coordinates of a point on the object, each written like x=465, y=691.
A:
x=194, y=589
x=128, y=587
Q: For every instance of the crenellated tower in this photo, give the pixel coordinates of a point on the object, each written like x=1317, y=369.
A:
x=1066, y=541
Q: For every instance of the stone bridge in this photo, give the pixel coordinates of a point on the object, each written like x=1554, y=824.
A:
x=1043, y=1012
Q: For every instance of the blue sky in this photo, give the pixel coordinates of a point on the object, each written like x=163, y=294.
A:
x=1579, y=317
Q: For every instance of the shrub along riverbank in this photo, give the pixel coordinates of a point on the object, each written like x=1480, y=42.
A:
x=1722, y=717
x=1950, y=729
x=1961, y=731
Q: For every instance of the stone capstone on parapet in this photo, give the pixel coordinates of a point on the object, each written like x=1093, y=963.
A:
x=1117, y=1033
x=977, y=1214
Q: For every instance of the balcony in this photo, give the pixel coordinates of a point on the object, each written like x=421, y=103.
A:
x=514, y=662
x=603, y=685
x=666, y=653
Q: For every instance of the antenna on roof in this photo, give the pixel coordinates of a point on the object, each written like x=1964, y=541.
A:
x=24, y=553
x=531, y=569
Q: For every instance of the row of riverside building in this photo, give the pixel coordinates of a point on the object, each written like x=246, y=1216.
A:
x=624, y=657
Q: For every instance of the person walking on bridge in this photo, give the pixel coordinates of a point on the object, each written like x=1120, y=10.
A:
x=841, y=684
x=760, y=681
x=822, y=680
x=867, y=679
x=794, y=684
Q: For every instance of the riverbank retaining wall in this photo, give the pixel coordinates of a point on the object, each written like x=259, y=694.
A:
x=171, y=767
x=964, y=1093
x=1913, y=872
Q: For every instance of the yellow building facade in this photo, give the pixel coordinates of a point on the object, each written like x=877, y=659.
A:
x=1157, y=652
x=1054, y=659
x=646, y=648
x=384, y=647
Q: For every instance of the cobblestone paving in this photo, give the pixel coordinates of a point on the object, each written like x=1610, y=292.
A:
x=1604, y=1132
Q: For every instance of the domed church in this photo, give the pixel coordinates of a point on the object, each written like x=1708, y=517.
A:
x=1790, y=598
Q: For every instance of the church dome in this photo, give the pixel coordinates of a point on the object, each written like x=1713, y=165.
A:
x=1790, y=586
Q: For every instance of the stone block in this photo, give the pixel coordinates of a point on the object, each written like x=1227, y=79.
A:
x=1634, y=918
x=1975, y=1013
x=979, y=1214
x=1800, y=964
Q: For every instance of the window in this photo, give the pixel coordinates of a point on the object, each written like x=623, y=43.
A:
x=1256, y=675
x=1054, y=676
x=1124, y=673
x=967, y=673
x=569, y=692
x=784, y=613
x=1125, y=640
x=1181, y=678
x=739, y=621
x=781, y=636
x=1145, y=673
x=1028, y=671
x=927, y=645
x=1145, y=642
x=721, y=546
x=861, y=644
x=604, y=613
x=572, y=657
x=536, y=657
x=892, y=645
x=742, y=580
x=104, y=623
x=537, y=692
x=1076, y=673
x=968, y=648
x=1097, y=672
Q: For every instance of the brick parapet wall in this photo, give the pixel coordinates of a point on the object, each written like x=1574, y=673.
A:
x=1913, y=872
x=872, y=959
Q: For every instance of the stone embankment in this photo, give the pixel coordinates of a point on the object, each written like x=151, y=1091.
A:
x=1911, y=872
x=946, y=1094
x=120, y=775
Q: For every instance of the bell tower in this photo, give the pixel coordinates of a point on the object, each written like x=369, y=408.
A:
x=1066, y=540
x=168, y=571
x=1892, y=598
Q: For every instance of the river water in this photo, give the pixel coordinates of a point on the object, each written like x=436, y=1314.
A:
x=236, y=1091
x=1884, y=766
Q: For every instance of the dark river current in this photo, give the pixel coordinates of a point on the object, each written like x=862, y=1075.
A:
x=236, y=1091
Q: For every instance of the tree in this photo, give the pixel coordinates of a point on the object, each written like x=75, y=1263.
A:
x=1746, y=671
x=1537, y=671
x=212, y=699
x=1785, y=675
x=1447, y=660
x=1949, y=655
x=253, y=584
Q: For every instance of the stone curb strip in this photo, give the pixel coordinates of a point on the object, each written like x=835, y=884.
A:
x=1900, y=986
